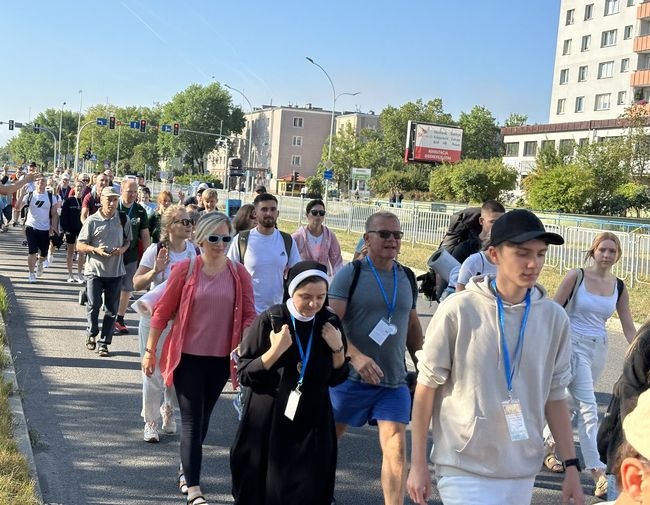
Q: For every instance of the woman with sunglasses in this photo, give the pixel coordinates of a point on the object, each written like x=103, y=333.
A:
x=195, y=357
x=316, y=242
x=155, y=268
x=284, y=452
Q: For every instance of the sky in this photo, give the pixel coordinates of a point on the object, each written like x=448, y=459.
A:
x=137, y=52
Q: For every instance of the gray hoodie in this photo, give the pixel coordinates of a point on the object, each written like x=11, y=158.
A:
x=462, y=357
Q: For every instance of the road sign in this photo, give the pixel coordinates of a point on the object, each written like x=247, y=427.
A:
x=328, y=175
x=361, y=174
x=134, y=124
x=167, y=128
x=102, y=121
x=329, y=164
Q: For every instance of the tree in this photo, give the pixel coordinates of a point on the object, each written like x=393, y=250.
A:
x=206, y=109
x=515, y=119
x=561, y=188
x=481, y=138
x=633, y=196
x=473, y=180
x=638, y=116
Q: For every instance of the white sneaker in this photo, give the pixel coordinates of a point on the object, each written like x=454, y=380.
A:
x=50, y=259
x=32, y=277
x=71, y=279
x=39, y=268
x=168, y=421
x=46, y=263
x=151, y=432
x=80, y=279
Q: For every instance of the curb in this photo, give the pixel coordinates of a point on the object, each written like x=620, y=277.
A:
x=21, y=432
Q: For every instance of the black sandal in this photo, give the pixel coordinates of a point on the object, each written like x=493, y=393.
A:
x=90, y=343
x=197, y=500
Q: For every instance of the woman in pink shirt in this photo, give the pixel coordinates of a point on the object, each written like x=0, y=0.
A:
x=316, y=242
x=196, y=355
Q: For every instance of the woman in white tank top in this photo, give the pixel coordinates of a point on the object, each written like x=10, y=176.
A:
x=596, y=295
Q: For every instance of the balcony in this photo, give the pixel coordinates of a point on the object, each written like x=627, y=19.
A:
x=642, y=43
x=643, y=11
x=640, y=78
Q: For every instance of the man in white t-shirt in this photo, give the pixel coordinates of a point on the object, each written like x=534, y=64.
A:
x=267, y=253
x=41, y=222
x=476, y=264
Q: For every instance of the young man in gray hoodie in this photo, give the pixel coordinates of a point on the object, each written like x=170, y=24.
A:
x=495, y=364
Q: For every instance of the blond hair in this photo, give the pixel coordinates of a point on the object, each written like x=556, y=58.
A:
x=600, y=238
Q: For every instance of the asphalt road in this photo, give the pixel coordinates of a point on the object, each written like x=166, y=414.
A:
x=84, y=411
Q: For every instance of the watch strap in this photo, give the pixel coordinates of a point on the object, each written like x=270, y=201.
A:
x=573, y=462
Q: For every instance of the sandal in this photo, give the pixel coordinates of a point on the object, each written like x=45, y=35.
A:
x=553, y=464
x=197, y=500
x=90, y=343
x=182, y=483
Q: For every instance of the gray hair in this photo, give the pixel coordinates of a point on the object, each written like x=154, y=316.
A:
x=382, y=214
x=167, y=219
x=207, y=223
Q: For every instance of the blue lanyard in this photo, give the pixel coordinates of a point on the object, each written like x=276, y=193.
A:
x=391, y=305
x=508, y=366
x=304, y=356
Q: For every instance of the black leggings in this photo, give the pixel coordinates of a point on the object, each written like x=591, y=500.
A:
x=198, y=381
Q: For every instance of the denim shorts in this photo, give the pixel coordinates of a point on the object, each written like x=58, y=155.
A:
x=357, y=403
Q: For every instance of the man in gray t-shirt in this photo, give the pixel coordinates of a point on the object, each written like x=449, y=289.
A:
x=380, y=321
x=104, y=238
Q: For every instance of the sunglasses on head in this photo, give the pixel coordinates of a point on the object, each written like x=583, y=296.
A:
x=320, y=213
x=385, y=234
x=215, y=239
x=184, y=222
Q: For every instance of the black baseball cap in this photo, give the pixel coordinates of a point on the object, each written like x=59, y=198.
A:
x=519, y=226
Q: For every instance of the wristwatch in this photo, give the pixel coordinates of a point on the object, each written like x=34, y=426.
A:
x=573, y=462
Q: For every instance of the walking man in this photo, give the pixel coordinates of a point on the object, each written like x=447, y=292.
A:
x=495, y=364
x=92, y=201
x=380, y=320
x=104, y=237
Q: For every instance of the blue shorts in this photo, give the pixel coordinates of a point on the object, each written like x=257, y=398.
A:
x=358, y=403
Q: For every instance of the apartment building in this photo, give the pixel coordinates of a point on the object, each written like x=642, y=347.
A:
x=358, y=120
x=602, y=66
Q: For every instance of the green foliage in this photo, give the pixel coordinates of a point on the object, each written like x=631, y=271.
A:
x=633, y=196
x=187, y=179
x=472, y=180
x=403, y=180
x=563, y=188
x=515, y=119
x=315, y=185
x=481, y=139
x=207, y=109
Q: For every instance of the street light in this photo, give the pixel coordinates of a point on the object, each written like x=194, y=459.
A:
x=76, y=149
x=250, y=133
x=60, y=125
x=335, y=97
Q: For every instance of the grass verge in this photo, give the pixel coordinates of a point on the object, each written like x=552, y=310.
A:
x=16, y=485
x=416, y=256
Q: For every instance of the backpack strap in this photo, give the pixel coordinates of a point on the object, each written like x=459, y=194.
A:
x=288, y=243
x=620, y=286
x=123, y=219
x=242, y=244
x=580, y=275
x=275, y=315
x=356, y=272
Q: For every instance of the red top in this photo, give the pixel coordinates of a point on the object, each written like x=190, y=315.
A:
x=177, y=301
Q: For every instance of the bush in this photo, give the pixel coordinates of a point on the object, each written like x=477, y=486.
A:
x=187, y=179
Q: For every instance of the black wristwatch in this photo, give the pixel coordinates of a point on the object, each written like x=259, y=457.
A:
x=573, y=462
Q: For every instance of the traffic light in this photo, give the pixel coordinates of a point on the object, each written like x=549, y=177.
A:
x=37, y=128
x=294, y=176
x=143, y=125
x=111, y=122
x=177, y=128
x=11, y=124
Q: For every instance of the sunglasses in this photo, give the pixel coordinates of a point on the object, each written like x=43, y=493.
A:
x=320, y=213
x=386, y=234
x=215, y=239
x=184, y=222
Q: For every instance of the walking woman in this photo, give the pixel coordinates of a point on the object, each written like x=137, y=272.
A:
x=316, y=242
x=196, y=354
x=245, y=218
x=155, y=268
x=71, y=226
x=164, y=200
x=591, y=295
x=284, y=452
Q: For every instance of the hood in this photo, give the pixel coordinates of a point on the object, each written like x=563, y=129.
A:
x=481, y=284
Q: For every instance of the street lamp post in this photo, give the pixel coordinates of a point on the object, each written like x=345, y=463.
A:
x=76, y=149
x=250, y=134
x=60, y=126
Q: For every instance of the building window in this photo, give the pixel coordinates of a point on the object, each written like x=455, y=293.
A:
x=608, y=38
x=627, y=32
x=605, y=69
x=512, y=149
x=547, y=144
x=644, y=61
x=530, y=148
x=589, y=12
x=583, y=141
x=295, y=160
x=570, y=16
x=625, y=65
x=580, y=104
x=630, y=3
x=602, y=101
x=296, y=141
x=561, y=104
x=622, y=98
x=611, y=7
x=297, y=122
x=582, y=73
x=586, y=43
x=566, y=48
x=566, y=146
x=564, y=76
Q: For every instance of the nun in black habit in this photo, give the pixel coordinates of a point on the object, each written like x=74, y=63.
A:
x=285, y=450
